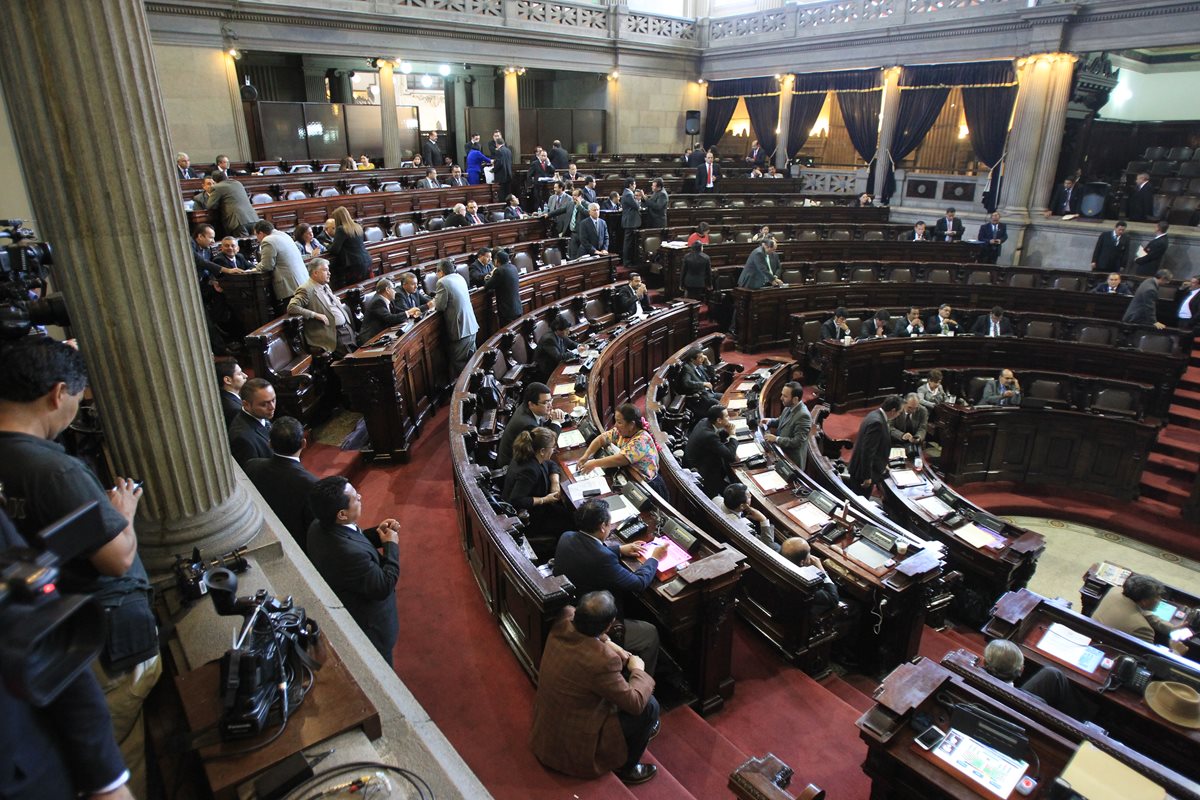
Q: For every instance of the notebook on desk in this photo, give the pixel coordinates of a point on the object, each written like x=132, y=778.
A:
x=674, y=558
x=984, y=766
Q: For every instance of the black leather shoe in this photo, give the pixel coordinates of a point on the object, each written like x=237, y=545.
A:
x=654, y=731
x=639, y=774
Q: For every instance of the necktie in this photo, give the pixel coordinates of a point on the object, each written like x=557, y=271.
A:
x=783, y=418
x=710, y=174
x=995, y=328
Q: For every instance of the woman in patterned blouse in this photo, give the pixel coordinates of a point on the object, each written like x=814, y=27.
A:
x=636, y=449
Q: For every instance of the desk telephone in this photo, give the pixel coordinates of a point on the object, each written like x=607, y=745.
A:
x=631, y=529
x=954, y=520
x=1128, y=671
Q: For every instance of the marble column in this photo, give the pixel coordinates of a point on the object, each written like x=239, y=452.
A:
x=316, y=89
x=1025, y=135
x=786, y=82
x=125, y=268
x=612, y=114
x=512, y=115
x=241, y=137
x=889, y=108
x=392, y=155
x=1058, y=95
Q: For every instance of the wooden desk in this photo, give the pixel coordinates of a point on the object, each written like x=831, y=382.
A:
x=898, y=768
x=313, y=182
x=969, y=667
x=334, y=705
x=1044, y=446
x=988, y=571
x=1103, y=577
x=1023, y=617
x=775, y=595
x=900, y=592
x=863, y=373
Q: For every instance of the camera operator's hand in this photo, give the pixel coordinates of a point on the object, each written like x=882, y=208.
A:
x=125, y=496
x=389, y=531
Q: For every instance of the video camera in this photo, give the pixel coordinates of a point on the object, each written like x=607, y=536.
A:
x=23, y=283
x=49, y=638
x=265, y=669
x=189, y=572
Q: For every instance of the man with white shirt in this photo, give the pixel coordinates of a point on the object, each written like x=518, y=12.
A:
x=911, y=324
x=949, y=228
x=278, y=255
x=1150, y=255
x=430, y=181
x=1141, y=200
x=707, y=175
x=230, y=379
x=1111, y=249
x=993, y=234
x=734, y=504
x=1189, y=306
x=282, y=481
x=250, y=431
x=326, y=319
x=1113, y=285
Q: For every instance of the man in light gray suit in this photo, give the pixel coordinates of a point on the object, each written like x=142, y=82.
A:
x=792, y=425
x=326, y=319
x=229, y=199
x=454, y=301
x=762, y=268
x=278, y=254
x=430, y=181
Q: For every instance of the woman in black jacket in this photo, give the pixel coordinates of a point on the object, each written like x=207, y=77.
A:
x=532, y=484
x=348, y=258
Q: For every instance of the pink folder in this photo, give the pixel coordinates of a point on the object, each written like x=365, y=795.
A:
x=675, y=556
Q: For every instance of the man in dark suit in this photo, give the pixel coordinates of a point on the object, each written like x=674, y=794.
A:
x=430, y=181
x=589, y=189
x=411, y=299
x=1002, y=391
x=695, y=277
x=758, y=156
x=502, y=168
x=878, y=326
x=1111, y=250
x=789, y=431
x=1150, y=255
x=349, y=560
x=911, y=324
x=559, y=158
x=230, y=380
x=835, y=327
x=593, y=565
x=472, y=214
x=381, y=312
x=868, y=462
x=631, y=220
x=230, y=201
x=695, y=380
x=533, y=412
x=591, y=233
x=554, y=347
x=250, y=430
x=505, y=285
x=431, y=151
x=656, y=205
x=797, y=550
x=480, y=268
x=993, y=324
x=1113, y=285
x=513, y=210
x=1143, y=307
x=711, y=450
x=495, y=143
x=229, y=259
x=917, y=234
x=588, y=718
x=949, y=228
x=695, y=158
x=283, y=481
x=183, y=167
x=456, y=177
x=1065, y=199
x=1141, y=200
x=457, y=218
x=631, y=297
x=707, y=174
x=943, y=322
x=762, y=267
x=993, y=234
x=539, y=170
x=1189, y=306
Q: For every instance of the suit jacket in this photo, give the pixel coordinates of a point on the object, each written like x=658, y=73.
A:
x=631, y=211
x=592, y=236
x=429, y=183
x=564, y=213
x=941, y=229
x=284, y=483
x=934, y=325
x=456, y=220
x=915, y=423
x=904, y=328
x=593, y=565
x=1193, y=305
x=514, y=212
x=364, y=580
x=379, y=315
x=231, y=404
x=1142, y=309
x=711, y=453
x=526, y=480
x=185, y=173
x=229, y=198
x=871, y=449
x=1141, y=203
x=983, y=326
x=249, y=438
x=349, y=261
x=1156, y=248
x=431, y=153
x=702, y=177
x=911, y=236
x=505, y=285
x=278, y=255
x=760, y=269
x=461, y=180
x=1062, y=202
x=656, y=209
x=694, y=159
x=758, y=157
x=404, y=301
x=551, y=351
x=870, y=330
x=521, y=420
x=696, y=272
x=312, y=299
x=792, y=428
x=454, y=301
x=829, y=330
x=237, y=262
x=992, y=251
x=580, y=690
x=559, y=158
x=1123, y=290
x=1120, y=613
x=478, y=273
x=537, y=171
x=993, y=395
x=502, y=166
x=1110, y=253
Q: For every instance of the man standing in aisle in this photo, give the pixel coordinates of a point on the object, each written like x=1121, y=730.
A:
x=1111, y=250
x=631, y=221
x=453, y=299
x=868, y=462
x=993, y=234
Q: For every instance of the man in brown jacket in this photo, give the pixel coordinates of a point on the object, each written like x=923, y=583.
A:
x=588, y=718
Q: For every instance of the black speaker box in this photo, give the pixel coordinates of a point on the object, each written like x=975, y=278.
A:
x=691, y=125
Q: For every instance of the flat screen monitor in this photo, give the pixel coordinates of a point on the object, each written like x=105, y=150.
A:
x=1165, y=611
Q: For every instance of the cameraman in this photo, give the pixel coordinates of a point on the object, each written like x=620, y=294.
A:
x=41, y=385
x=64, y=748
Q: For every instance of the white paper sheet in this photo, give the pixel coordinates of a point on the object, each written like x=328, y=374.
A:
x=769, y=481
x=561, y=389
x=569, y=439
x=575, y=489
x=748, y=450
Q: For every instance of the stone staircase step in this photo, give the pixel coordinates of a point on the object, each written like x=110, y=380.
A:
x=1172, y=491
x=1166, y=464
x=696, y=754
x=1184, y=415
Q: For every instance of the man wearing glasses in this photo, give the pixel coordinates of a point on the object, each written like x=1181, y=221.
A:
x=534, y=411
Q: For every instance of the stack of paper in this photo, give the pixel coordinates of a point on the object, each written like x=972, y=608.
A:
x=808, y=515
x=973, y=535
x=572, y=369
x=906, y=477
x=739, y=424
x=769, y=481
x=934, y=507
x=746, y=386
x=675, y=556
x=1071, y=647
x=748, y=450
x=569, y=439
x=735, y=403
x=561, y=389
x=575, y=489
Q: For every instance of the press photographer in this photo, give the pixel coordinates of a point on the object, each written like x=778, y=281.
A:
x=24, y=270
x=57, y=736
x=41, y=385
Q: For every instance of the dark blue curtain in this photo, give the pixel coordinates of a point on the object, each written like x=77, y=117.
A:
x=921, y=101
x=988, y=108
x=722, y=100
x=809, y=92
x=859, y=94
x=764, y=118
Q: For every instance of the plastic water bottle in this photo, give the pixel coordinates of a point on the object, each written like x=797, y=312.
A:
x=918, y=464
